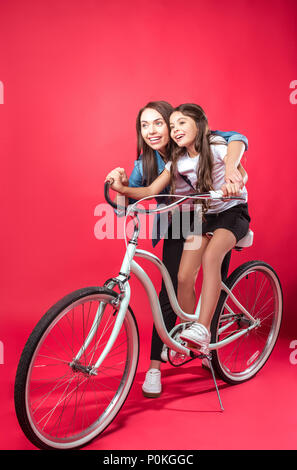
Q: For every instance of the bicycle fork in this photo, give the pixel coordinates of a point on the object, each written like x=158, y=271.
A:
x=92, y=370
x=121, y=301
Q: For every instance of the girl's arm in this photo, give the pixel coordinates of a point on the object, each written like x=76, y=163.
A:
x=156, y=187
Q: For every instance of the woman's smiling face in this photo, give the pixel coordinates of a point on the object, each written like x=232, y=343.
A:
x=154, y=129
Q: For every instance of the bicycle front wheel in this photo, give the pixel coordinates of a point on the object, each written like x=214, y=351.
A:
x=59, y=403
x=257, y=287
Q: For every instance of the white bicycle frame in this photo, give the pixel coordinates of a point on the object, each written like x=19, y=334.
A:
x=130, y=266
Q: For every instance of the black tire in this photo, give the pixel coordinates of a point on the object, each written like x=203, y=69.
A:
x=256, y=285
x=59, y=404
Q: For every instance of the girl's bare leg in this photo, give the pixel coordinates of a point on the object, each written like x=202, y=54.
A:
x=190, y=263
x=222, y=241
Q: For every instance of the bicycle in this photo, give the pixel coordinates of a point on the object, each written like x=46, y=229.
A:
x=79, y=363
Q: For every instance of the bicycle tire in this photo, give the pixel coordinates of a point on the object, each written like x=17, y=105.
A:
x=244, y=357
x=76, y=407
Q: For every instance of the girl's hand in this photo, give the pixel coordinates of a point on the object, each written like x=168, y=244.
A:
x=231, y=189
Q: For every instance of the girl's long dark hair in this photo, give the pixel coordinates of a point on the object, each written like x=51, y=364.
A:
x=150, y=168
x=202, y=146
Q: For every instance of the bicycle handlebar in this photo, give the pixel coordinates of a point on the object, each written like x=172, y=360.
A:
x=209, y=195
x=107, y=198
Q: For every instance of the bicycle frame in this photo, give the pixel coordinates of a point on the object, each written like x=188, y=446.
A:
x=131, y=266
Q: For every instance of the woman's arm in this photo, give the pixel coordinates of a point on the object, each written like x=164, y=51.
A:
x=235, y=151
x=232, y=136
x=233, y=189
x=233, y=185
x=156, y=187
x=243, y=173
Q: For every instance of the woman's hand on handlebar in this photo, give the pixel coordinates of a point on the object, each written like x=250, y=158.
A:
x=118, y=179
x=121, y=172
x=231, y=189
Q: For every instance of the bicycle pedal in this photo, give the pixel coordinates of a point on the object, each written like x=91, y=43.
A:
x=193, y=346
x=199, y=351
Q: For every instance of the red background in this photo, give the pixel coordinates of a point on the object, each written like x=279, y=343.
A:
x=75, y=74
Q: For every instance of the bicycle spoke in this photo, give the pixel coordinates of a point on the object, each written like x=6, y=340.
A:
x=256, y=291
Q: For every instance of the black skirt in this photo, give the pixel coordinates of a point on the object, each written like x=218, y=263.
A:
x=236, y=219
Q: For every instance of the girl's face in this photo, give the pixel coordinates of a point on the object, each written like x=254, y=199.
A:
x=154, y=129
x=183, y=130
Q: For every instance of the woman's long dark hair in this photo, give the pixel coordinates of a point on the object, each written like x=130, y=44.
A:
x=150, y=168
x=202, y=146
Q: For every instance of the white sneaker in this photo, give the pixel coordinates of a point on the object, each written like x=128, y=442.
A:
x=197, y=335
x=152, y=387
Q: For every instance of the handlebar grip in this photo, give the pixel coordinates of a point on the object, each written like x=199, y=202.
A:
x=117, y=206
x=107, y=198
x=216, y=194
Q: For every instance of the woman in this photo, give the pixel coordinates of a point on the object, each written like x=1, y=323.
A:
x=153, y=152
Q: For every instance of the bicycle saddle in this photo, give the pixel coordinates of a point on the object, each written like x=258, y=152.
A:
x=244, y=242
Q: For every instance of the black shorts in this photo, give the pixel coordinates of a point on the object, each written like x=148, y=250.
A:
x=236, y=219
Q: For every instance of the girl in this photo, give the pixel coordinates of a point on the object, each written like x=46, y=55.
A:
x=153, y=152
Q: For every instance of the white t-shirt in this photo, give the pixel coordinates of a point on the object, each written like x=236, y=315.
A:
x=187, y=166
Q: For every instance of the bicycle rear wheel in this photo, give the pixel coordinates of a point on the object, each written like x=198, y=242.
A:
x=59, y=403
x=257, y=287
